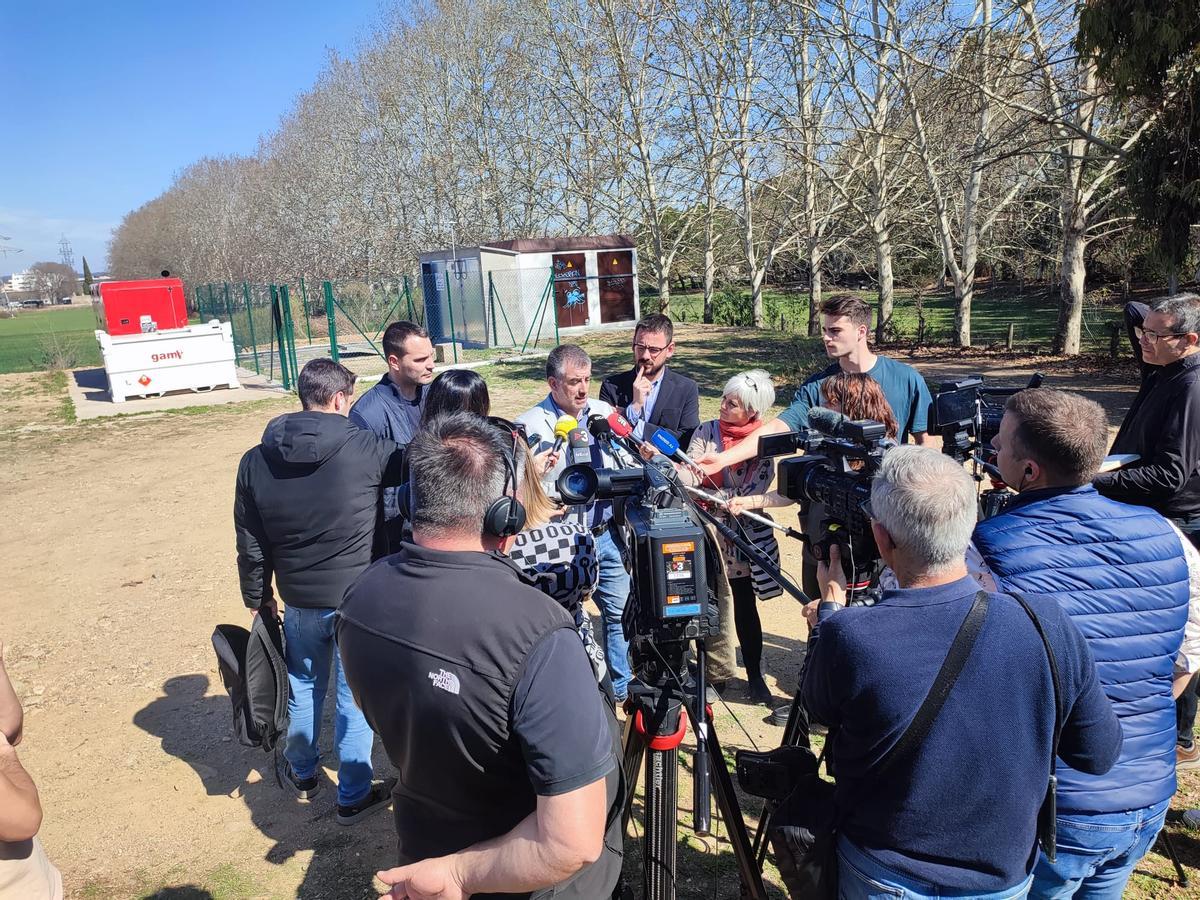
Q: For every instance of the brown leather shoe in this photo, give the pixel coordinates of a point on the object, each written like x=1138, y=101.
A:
x=1187, y=758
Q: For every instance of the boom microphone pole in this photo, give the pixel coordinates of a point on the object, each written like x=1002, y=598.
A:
x=754, y=517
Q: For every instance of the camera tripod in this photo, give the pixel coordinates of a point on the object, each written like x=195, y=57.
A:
x=657, y=722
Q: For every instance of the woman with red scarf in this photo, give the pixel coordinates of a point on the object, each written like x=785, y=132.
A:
x=746, y=399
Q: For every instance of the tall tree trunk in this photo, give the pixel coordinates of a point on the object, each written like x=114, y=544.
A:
x=1073, y=277
x=709, y=273
x=1173, y=282
x=883, y=267
x=815, y=261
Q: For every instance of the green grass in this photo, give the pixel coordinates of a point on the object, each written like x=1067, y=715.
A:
x=48, y=338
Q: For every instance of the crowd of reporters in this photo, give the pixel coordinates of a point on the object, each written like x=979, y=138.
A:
x=467, y=646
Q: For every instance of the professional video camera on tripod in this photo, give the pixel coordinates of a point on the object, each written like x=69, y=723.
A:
x=841, y=457
x=671, y=611
x=967, y=416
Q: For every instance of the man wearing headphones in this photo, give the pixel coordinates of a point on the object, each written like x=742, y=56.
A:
x=481, y=691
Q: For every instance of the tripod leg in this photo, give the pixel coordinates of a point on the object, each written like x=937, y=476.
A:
x=631, y=764
x=795, y=734
x=658, y=854
x=1165, y=837
x=748, y=869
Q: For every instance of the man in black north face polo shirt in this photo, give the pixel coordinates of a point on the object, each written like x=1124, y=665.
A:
x=481, y=691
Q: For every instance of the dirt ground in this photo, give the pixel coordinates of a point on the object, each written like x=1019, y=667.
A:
x=118, y=554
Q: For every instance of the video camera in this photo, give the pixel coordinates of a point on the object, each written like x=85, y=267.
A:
x=967, y=414
x=841, y=457
x=667, y=545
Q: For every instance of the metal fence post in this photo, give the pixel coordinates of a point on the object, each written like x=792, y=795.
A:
x=199, y=305
x=553, y=307
x=330, y=320
x=232, y=330
x=290, y=331
x=492, y=308
x=450, y=307
x=250, y=319
x=304, y=300
x=280, y=340
x=212, y=303
x=412, y=316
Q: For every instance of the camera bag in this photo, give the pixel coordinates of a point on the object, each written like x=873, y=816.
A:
x=804, y=829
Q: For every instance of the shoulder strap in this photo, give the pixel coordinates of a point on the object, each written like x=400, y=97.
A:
x=952, y=666
x=1054, y=677
x=918, y=728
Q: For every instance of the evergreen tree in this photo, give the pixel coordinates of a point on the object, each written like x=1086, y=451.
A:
x=87, y=277
x=1149, y=51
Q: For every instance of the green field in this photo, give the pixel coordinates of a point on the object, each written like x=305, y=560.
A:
x=37, y=339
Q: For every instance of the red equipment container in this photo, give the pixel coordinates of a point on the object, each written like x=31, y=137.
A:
x=134, y=307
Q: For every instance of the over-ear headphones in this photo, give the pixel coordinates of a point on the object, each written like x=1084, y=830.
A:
x=505, y=516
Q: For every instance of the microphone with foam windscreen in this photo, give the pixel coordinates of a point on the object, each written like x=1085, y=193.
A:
x=622, y=432
x=827, y=421
x=599, y=428
x=563, y=427
x=579, y=444
x=668, y=445
x=833, y=424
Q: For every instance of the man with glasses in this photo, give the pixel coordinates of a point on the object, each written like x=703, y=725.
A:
x=652, y=394
x=1162, y=428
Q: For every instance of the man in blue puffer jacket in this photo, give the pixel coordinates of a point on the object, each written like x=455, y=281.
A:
x=1120, y=573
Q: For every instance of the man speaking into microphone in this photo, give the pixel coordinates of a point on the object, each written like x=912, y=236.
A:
x=569, y=376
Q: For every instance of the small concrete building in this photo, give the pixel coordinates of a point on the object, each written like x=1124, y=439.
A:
x=506, y=293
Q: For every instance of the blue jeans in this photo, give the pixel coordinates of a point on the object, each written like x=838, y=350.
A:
x=1096, y=854
x=309, y=650
x=611, y=594
x=860, y=877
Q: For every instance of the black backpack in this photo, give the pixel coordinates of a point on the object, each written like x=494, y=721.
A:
x=255, y=675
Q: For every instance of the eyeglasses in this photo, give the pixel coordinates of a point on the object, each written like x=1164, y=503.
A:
x=1154, y=336
x=653, y=351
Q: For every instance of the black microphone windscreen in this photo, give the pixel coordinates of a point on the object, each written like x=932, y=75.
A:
x=827, y=421
x=599, y=427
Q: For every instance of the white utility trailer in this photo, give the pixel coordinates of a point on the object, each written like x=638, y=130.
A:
x=198, y=358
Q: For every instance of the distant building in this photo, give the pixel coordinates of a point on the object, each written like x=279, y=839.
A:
x=23, y=281
x=501, y=293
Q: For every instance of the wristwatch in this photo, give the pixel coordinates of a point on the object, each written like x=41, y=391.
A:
x=828, y=607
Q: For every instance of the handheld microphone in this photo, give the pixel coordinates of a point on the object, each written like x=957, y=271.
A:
x=599, y=428
x=579, y=443
x=563, y=427
x=668, y=445
x=622, y=431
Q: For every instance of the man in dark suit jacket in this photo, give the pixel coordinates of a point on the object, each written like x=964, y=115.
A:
x=650, y=393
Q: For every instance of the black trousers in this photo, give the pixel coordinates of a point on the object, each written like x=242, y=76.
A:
x=747, y=624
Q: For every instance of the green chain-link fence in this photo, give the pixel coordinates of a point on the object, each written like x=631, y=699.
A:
x=472, y=316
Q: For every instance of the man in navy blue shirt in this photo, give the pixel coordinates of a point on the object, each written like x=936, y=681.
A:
x=392, y=408
x=959, y=814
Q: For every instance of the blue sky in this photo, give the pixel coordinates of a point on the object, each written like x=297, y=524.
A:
x=104, y=102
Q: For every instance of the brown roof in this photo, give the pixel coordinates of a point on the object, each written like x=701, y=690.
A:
x=556, y=245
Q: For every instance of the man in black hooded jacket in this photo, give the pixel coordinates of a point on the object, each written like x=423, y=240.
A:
x=305, y=511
